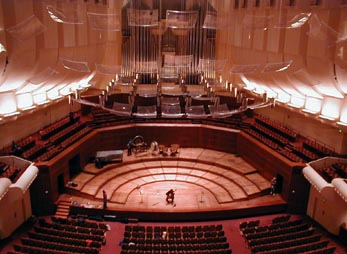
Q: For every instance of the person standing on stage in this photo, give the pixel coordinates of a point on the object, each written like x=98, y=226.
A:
x=273, y=186
x=104, y=198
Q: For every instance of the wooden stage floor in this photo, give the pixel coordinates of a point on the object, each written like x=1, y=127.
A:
x=204, y=181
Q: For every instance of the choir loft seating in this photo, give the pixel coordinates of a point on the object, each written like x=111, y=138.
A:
x=197, y=111
x=146, y=111
x=171, y=111
x=122, y=109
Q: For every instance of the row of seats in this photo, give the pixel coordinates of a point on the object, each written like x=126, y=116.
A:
x=164, y=243
x=34, y=152
x=65, y=240
x=281, y=219
x=49, y=154
x=170, y=229
x=214, y=251
x=177, y=247
x=304, y=248
x=60, y=134
x=81, y=222
x=341, y=169
x=279, y=138
x=63, y=236
x=175, y=239
x=213, y=236
x=62, y=140
x=270, y=227
x=317, y=148
x=172, y=111
x=324, y=250
x=72, y=228
x=249, y=224
x=329, y=173
x=36, y=250
x=305, y=154
x=282, y=141
x=67, y=132
x=285, y=236
x=9, y=171
x=296, y=228
x=69, y=234
x=74, y=137
x=282, y=130
x=288, y=153
x=287, y=243
x=19, y=146
x=56, y=127
x=57, y=246
x=280, y=238
x=270, y=143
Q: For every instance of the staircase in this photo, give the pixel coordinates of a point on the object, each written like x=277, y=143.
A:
x=63, y=209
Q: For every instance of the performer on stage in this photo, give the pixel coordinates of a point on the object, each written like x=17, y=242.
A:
x=170, y=196
x=104, y=199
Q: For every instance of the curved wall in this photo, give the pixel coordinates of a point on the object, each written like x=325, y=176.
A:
x=186, y=135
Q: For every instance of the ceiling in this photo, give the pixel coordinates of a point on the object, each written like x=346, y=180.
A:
x=292, y=50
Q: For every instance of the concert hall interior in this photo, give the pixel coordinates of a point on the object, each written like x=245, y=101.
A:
x=173, y=126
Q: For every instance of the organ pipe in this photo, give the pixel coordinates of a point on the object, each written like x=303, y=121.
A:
x=153, y=32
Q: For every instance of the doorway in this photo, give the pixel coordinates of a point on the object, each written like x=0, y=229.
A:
x=279, y=183
x=74, y=166
x=61, y=184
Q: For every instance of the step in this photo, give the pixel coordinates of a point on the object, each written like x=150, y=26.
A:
x=61, y=214
x=63, y=211
x=67, y=203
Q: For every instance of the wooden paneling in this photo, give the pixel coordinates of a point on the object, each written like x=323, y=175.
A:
x=268, y=162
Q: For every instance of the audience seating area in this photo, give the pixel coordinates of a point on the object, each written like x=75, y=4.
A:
x=51, y=140
x=285, y=236
x=10, y=172
x=175, y=239
x=336, y=170
x=286, y=141
x=56, y=127
x=274, y=234
x=63, y=236
x=19, y=146
x=61, y=134
x=287, y=133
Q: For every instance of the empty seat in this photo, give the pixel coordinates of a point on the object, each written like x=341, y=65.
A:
x=203, y=100
x=171, y=111
x=145, y=100
x=169, y=100
x=221, y=110
x=122, y=109
x=196, y=112
x=146, y=111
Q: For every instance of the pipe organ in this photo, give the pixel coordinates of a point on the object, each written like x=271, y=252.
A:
x=169, y=41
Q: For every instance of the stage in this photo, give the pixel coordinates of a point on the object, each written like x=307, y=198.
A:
x=208, y=184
